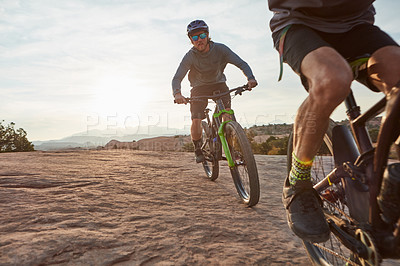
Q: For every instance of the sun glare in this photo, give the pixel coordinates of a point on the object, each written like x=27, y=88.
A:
x=119, y=95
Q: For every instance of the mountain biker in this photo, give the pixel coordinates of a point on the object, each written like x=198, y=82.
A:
x=206, y=62
x=315, y=37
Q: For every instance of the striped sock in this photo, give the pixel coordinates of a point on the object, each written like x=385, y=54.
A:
x=300, y=170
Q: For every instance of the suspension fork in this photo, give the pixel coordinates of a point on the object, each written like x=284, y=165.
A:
x=221, y=134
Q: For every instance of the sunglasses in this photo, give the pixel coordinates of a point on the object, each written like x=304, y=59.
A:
x=196, y=37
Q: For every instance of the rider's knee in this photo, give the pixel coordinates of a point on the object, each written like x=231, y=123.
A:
x=196, y=121
x=332, y=89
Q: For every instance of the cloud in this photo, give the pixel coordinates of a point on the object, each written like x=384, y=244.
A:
x=54, y=55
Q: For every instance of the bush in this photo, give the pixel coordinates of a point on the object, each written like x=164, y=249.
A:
x=188, y=147
x=272, y=146
x=12, y=140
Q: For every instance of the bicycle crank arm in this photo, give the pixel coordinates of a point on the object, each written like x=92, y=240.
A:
x=349, y=241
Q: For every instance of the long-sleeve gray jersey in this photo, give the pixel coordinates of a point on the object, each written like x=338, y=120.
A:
x=208, y=68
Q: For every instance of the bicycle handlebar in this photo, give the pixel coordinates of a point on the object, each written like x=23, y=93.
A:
x=238, y=91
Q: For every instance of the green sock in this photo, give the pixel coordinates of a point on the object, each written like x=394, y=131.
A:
x=300, y=170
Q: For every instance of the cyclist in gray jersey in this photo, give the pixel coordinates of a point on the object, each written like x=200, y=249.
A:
x=206, y=62
x=316, y=38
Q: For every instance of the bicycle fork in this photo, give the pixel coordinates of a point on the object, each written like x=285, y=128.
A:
x=221, y=135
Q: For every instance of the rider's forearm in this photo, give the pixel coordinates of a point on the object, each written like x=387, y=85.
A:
x=245, y=68
x=241, y=64
x=176, y=84
x=183, y=68
x=247, y=71
x=175, y=91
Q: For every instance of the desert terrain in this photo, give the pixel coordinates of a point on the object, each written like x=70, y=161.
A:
x=134, y=207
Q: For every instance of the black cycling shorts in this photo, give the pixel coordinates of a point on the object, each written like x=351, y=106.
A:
x=197, y=107
x=301, y=40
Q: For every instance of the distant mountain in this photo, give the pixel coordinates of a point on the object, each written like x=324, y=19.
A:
x=175, y=143
x=60, y=145
x=94, y=138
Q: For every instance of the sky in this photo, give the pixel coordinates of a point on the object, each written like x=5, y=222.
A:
x=80, y=65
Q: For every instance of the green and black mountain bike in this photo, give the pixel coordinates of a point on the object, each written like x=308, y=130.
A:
x=227, y=135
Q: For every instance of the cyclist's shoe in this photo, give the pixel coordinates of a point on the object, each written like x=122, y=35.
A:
x=304, y=212
x=197, y=151
x=199, y=156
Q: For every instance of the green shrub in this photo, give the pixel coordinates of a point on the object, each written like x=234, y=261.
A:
x=12, y=140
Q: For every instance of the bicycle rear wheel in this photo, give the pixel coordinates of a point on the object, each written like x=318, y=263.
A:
x=244, y=173
x=210, y=164
x=332, y=252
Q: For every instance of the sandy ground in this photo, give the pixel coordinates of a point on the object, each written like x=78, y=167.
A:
x=121, y=207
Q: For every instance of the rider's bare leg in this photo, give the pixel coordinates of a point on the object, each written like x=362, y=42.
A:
x=384, y=72
x=225, y=116
x=329, y=77
x=195, y=129
x=197, y=140
x=384, y=68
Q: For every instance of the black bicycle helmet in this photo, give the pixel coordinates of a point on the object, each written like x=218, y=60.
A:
x=196, y=25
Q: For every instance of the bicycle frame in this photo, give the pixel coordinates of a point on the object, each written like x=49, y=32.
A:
x=217, y=124
x=372, y=161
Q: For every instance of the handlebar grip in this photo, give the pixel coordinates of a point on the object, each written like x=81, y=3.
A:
x=187, y=100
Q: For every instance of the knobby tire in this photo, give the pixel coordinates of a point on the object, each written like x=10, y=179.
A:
x=210, y=165
x=244, y=173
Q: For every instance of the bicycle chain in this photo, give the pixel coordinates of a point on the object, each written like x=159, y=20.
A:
x=339, y=210
x=331, y=251
x=350, y=262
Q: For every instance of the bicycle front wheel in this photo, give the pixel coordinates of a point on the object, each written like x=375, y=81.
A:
x=244, y=172
x=210, y=164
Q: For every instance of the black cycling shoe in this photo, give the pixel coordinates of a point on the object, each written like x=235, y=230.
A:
x=199, y=156
x=197, y=151
x=304, y=212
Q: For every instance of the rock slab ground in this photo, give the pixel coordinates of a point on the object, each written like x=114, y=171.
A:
x=124, y=207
